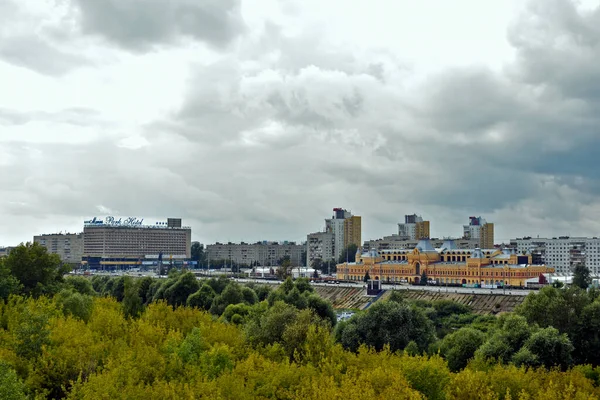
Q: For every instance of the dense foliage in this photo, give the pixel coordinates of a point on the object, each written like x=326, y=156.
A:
x=181, y=337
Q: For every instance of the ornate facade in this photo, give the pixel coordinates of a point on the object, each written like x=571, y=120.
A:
x=445, y=265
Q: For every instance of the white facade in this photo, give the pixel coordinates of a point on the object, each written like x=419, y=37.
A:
x=336, y=226
x=408, y=229
x=319, y=245
x=261, y=253
x=473, y=230
x=563, y=253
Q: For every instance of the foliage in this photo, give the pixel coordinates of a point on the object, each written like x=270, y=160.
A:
x=37, y=271
x=203, y=298
x=459, y=347
x=387, y=323
x=367, y=277
x=9, y=284
x=348, y=254
x=81, y=285
x=75, y=304
x=133, y=305
x=581, y=276
x=11, y=387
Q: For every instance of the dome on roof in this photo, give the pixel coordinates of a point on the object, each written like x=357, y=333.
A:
x=425, y=246
x=477, y=253
x=449, y=244
x=373, y=253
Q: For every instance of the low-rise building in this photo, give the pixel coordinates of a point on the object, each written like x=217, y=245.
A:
x=396, y=242
x=259, y=253
x=446, y=265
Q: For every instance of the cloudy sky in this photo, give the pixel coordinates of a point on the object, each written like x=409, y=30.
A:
x=251, y=120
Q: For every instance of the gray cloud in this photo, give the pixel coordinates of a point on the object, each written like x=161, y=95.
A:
x=272, y=135
x=33, y=52
x=142, y=25
x=73, y=116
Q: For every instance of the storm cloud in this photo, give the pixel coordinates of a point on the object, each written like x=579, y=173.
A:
x=253, y=126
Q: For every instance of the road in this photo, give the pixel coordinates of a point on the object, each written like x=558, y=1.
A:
x=440, y=289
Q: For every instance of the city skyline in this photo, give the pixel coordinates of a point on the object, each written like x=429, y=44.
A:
x=251, y=123
x=458, y=229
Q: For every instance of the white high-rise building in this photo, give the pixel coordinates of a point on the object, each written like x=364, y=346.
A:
x=319, y=245
x=563, y=253
x=341, y=229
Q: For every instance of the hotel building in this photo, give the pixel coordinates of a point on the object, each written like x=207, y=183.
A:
x=130, y=242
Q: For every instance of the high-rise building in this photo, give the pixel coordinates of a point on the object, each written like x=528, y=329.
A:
x=129, y=242
x=341, y=229
x=413, y=228
x=479, y=229
x=68, y=246
x=319, y=245
x=353, y=231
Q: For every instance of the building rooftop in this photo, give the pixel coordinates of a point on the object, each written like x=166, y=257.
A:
x=425, y=246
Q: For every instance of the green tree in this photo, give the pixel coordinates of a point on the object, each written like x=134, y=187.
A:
x=132, y=304
x=459, y=347
x=551, y=348
x=387, y=323
x=8, y=283
x=37, y=271
x=424, y=278
x=178, y=293
x=81, y=285
x=203, y=298
x=367, y=277
x=349, y=253
x=512, y=333
x=317, y=264
x=11, y=387
x=76, y=304
x=197, y=252
x=581, y=276
x=285, y=268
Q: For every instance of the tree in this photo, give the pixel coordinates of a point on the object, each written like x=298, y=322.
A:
x=423, y=280
x=285, y=268
x=349, y=253
x=81, y=285
x=178, y=293
x=317, y=264
x=11, y=387
x=387, y=323
x=581, y=276
x=551, y=348
x=8, y=283
x=459, y=347
x=132, y=304
x=38, y=272
x=367, y=277
x=203, y=298
x=197, y=252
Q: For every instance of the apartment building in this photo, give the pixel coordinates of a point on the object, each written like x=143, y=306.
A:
x=259, y=253
x=413, y=228
x=479, y=229
x=68, y=246
x=563, y=253
x=341, y=230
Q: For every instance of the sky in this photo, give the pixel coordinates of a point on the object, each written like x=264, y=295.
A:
x=252, y=120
